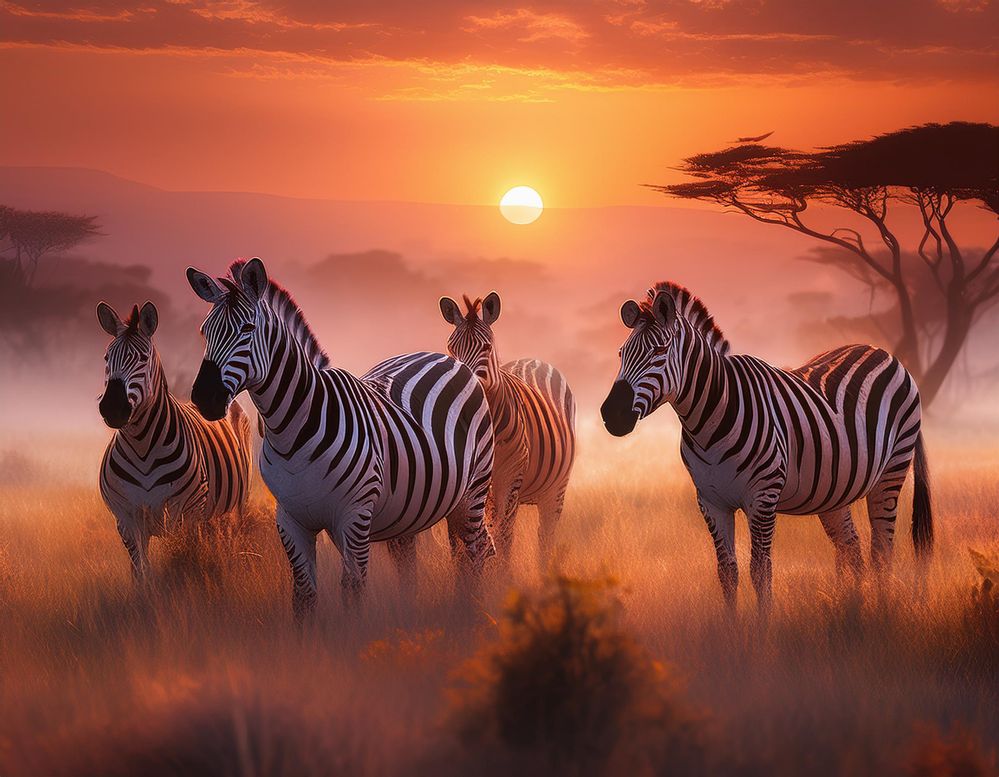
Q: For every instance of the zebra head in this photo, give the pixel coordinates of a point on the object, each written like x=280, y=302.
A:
x=233, y=350
x=648, y=376
x=472, y=341
x=132, y=373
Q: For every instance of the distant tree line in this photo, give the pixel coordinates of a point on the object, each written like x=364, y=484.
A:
x=27, y=235
x=932, y=168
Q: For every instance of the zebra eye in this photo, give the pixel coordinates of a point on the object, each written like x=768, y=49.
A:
x=247, y=327
x=660, y=350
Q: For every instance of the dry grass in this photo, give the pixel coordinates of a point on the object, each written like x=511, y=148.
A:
x=205, y=671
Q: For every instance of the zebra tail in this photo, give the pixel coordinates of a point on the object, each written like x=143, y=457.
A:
x=922, y=512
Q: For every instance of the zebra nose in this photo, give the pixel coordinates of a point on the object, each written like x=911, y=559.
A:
x=209, y=394
x=114, y=406
x=618, y=409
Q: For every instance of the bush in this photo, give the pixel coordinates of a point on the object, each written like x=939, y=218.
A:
x=566, y=689
x=981, y=617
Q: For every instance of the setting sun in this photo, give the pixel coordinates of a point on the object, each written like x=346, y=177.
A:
x=521, y=205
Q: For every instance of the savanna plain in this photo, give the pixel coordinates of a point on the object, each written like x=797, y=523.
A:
x=615, y=657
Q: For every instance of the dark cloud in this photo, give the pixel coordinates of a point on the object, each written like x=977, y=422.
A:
x=602, y=42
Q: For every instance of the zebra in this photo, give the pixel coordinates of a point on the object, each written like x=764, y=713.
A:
x=764, y=440
x=380, y=457
x=164, y=462
x=534, y=415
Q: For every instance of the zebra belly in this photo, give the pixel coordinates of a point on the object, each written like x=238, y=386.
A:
x=808, y=491
x=399, y=515
x=319, y=500
x=836, y=472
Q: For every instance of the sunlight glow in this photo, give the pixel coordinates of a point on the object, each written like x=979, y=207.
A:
x=521, y=205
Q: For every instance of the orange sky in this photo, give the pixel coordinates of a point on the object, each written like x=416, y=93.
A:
x=455, y=101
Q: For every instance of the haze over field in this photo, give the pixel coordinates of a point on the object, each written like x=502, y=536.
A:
x=368, y=275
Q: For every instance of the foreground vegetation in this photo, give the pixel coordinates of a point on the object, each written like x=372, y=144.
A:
x=621, y=662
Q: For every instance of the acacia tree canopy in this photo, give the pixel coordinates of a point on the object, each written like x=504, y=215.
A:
x=932, y=167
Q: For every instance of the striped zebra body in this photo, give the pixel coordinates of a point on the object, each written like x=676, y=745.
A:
x=380, y=457
x=842, y=427
x=164, y=462
x=533, y=414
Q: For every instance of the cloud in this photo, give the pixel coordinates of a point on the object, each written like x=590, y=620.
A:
x=598, y=43
x=533, y=26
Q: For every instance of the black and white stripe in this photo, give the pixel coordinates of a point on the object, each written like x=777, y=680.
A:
x=381, y=457
x=165, y=461
x=766, y=440
x=534, y=416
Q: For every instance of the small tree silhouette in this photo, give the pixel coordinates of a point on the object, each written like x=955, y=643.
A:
x=932, y=167
x=30, y=235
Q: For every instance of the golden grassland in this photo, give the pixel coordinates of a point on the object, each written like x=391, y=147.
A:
x=622, y=662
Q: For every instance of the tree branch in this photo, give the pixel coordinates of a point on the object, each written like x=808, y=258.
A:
x=984, y=262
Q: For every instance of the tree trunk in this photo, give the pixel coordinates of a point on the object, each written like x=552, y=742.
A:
x=907, y=349
x=959, y=319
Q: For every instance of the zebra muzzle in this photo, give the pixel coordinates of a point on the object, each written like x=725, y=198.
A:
x=209, y=393
x=115, y=408
x=618, y=410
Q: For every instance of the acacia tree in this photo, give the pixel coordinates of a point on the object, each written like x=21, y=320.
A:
x=932, y=168
x=29, y=235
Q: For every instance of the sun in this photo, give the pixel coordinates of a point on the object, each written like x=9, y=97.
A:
x=521, y=205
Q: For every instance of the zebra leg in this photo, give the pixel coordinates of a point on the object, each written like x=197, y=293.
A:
x=549, y=513
x=505, y=499
x=352, y=539
x=882, y=507
x=839, y=527
x=135, y=537
x=300, y=545
x=762, y=520
x=721, y=524
x=403, y=553
x=466, y=524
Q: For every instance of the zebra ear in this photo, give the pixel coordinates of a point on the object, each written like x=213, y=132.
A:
x=253, y=279
x=109, y=320
x=148, y=319
x=205, y=286
x=491, y=308
x=664, y=309
x=450, y=311
x=630, y=313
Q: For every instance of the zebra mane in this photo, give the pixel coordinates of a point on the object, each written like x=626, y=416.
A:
x=471, y=307
x=693, y=310
x=132, y=322
x=284, y=305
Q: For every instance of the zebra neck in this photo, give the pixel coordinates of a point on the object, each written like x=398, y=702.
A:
x=155, y=424
x=704, y=392
x=494, y=375
x=498, y=390
x=284, y=397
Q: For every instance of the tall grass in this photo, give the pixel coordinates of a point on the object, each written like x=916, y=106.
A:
x=206, y=670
